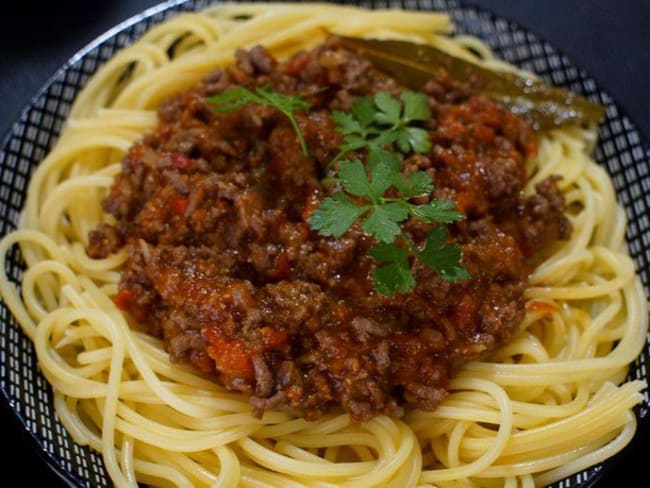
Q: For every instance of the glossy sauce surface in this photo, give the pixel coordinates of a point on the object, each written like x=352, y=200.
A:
x=223, y=266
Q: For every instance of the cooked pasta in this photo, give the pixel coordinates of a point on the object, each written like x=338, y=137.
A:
x=550, y=403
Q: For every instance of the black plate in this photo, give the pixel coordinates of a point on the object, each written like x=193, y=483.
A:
x=27, y=394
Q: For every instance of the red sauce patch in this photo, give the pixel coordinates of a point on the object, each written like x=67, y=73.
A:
x=212, y=210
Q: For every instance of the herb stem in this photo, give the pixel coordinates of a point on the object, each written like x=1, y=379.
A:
x=339, y=155
x=298, y=132
x=344, y=150
x=409, y=243
x=285, y=104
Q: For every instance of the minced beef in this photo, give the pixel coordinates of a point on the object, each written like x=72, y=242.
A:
x=223, y=266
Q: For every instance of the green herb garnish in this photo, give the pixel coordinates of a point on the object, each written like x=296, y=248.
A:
x=287, y=104
x=374, y=124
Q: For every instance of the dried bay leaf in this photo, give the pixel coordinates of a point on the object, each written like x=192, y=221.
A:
x=545, y=107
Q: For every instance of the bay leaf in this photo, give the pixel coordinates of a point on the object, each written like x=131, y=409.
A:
x=544, y=106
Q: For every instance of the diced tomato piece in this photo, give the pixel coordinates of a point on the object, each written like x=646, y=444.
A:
x=545, y=308
x=232, y=358
x=180, y=205
x=273, y=338
x=125, y=299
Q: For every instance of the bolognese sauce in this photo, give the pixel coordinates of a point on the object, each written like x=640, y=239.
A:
x=222, y=265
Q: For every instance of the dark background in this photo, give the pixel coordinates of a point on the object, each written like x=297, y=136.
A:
x=610, y=39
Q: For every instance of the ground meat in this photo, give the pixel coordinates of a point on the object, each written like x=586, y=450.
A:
x=103, y=241
x=212, y=209
x=182, y=343
x=263, y=377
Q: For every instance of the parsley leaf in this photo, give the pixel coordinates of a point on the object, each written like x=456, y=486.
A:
x=353, y=178
x=416, y=106
x=235, y=99
x=346, y=123
x=382, y=126
x=335, y=215
x=418, y=184
x=382, y=224
x=363, y=111
x=437, y=210
x=375, y=124
x=384, y=120
x=444, y=257
x=413, y=138
x=383, y=165
x=388, y=109
x=240, y=96
x=394, y=275
x=284, y=103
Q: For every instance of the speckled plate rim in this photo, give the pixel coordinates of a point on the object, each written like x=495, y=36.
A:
x=591, y=476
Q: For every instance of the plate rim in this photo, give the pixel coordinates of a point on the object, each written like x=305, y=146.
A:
x=33, y=439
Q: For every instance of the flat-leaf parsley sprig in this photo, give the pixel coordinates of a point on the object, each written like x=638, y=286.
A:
x=374, y=124
x=240, y=96
x=382, y=120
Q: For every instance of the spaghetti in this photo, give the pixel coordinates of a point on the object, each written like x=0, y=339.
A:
x=552, y=402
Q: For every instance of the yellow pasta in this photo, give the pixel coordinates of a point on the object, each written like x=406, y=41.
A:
x=551, y=403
